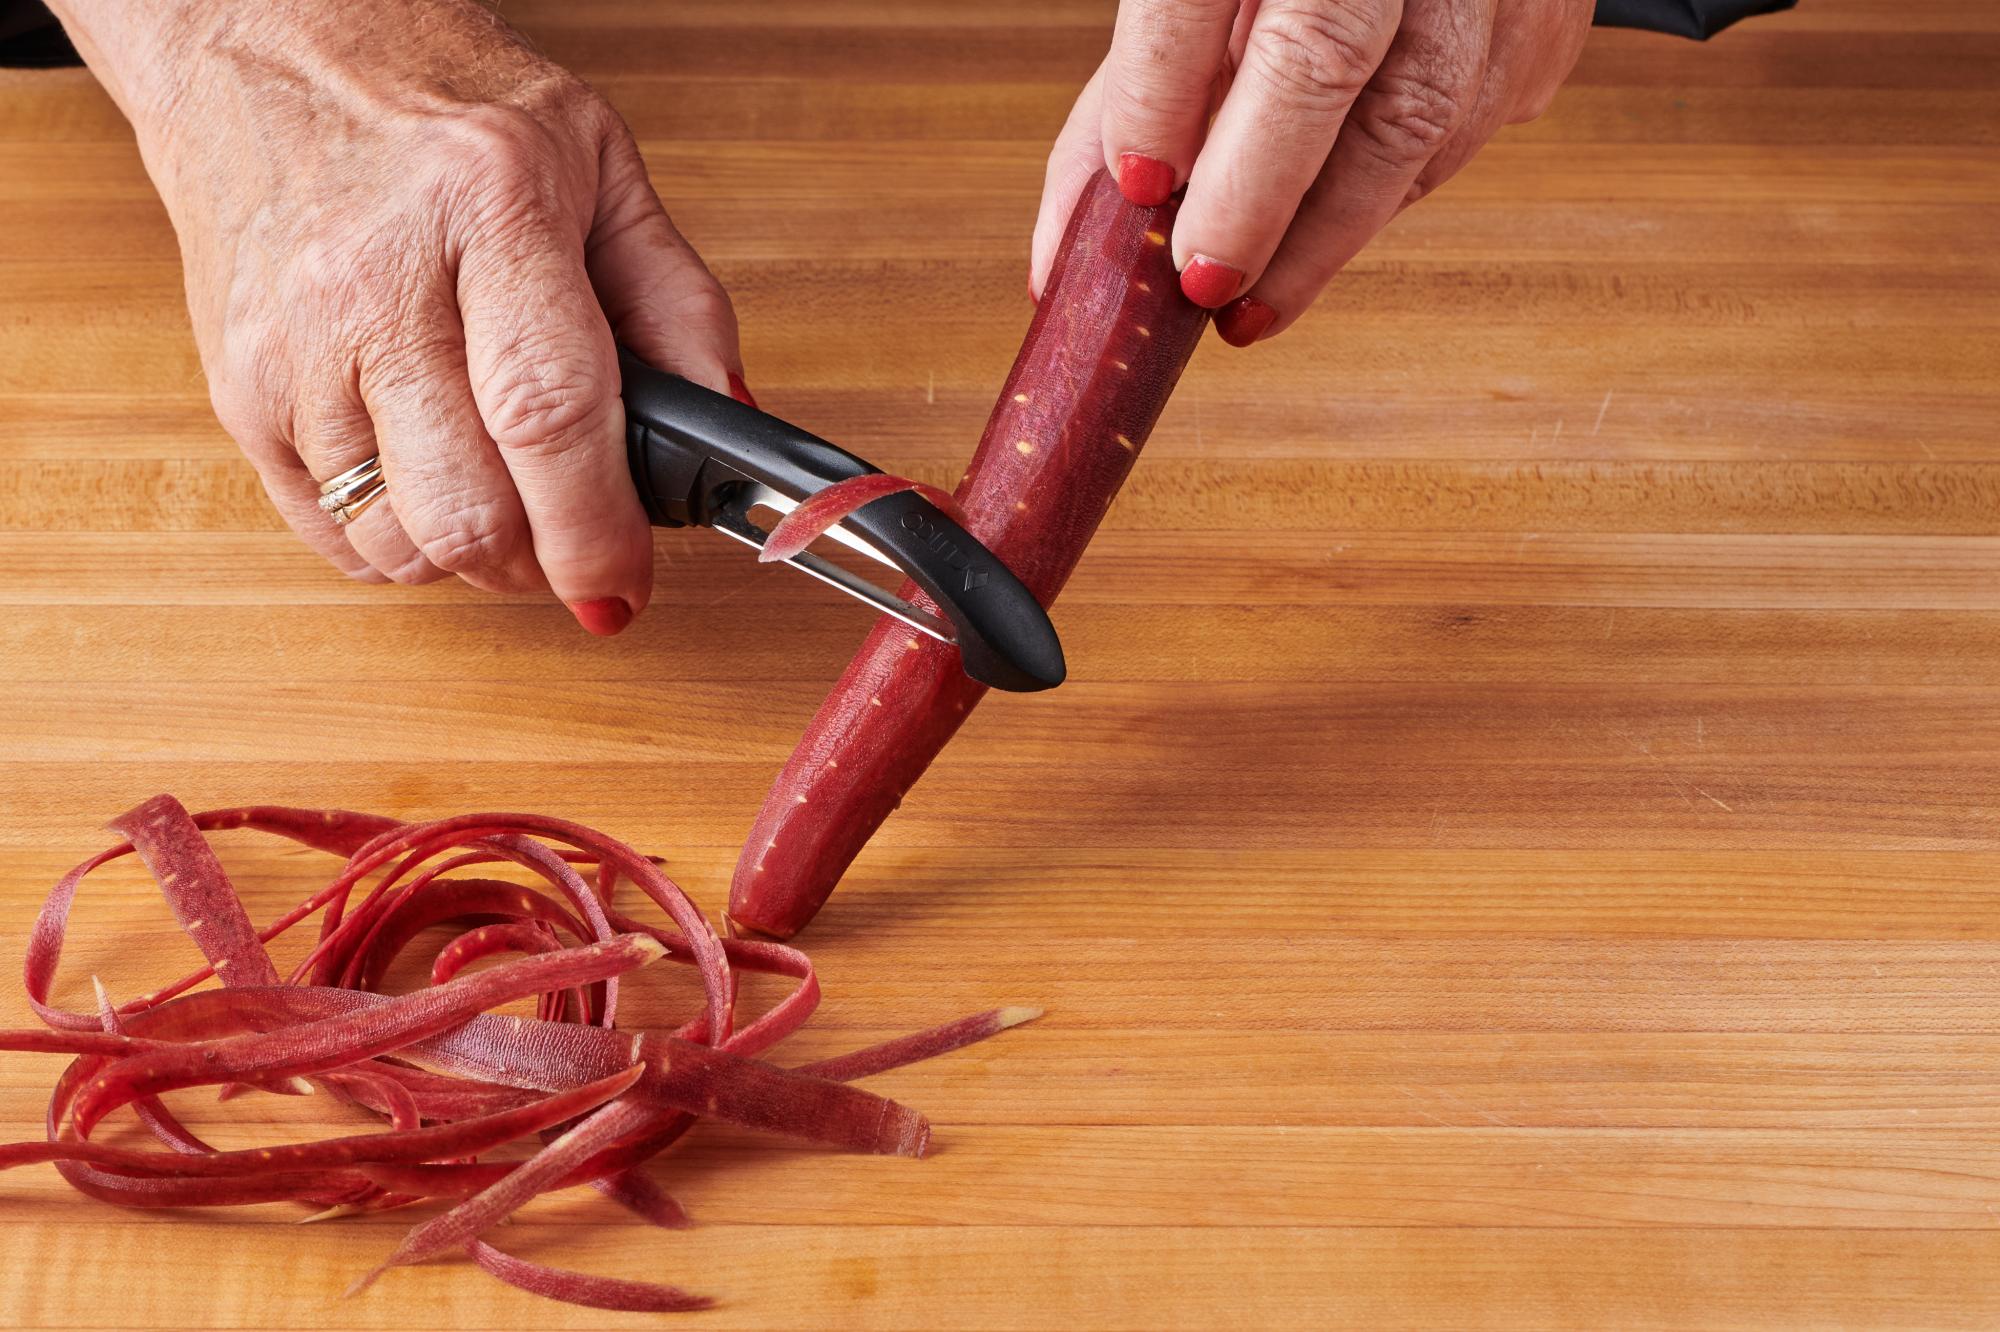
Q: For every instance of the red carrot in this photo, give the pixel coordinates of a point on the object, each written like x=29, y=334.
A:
x=454, y=1081
x=1107, y=344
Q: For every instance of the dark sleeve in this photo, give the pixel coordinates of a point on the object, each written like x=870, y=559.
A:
x=1699, y=19
x=30, y=37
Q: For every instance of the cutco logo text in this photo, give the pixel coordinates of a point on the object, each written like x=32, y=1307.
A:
x=928, y=533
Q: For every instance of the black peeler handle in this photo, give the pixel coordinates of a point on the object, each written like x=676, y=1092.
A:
x=691, y=447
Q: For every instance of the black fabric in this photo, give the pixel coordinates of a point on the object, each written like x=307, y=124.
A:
x=30, y=37
x=1699, y=19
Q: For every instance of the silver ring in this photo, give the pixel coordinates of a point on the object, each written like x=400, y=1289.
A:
x=345, y=496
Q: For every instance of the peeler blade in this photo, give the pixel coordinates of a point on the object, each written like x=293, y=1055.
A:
x=733, y=519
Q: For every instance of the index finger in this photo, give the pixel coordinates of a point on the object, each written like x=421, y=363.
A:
x=545, y=376
x=1304, y=64
x=1165, y=55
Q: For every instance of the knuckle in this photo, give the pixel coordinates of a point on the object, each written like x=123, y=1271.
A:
x=473, y=539
x=342, y=284
x=1147, y=93
x=704, y=306
x=1406, y=119
x=531, y=412
x=493, y=138
x=548, y=398
x=1314, y=54
x=507, y=167
x=556, y=96
x=411, y=570
x=1153, y=32
x=361, y=296
x=327, y=274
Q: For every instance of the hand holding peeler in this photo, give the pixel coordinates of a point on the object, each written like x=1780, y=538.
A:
x=702, y=459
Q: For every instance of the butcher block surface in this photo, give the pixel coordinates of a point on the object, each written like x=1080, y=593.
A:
x=1520, y=844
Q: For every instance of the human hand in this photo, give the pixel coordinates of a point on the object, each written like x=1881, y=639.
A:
x=1329, y=118
x=406, y=233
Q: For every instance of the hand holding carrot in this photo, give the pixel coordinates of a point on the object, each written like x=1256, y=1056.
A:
x=1300, y=128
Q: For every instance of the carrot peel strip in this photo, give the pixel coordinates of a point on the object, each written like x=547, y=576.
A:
x=815, y=514
x=596, y=1292
x=453, y=1080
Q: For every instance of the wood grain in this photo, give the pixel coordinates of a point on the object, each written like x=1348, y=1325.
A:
x=1520, y=848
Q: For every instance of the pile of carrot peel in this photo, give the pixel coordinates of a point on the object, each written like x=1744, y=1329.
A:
x=453, y=1081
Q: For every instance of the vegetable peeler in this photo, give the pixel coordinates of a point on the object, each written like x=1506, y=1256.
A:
x=702, y=459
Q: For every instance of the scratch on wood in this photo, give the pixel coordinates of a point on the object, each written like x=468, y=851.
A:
x=1602, y=408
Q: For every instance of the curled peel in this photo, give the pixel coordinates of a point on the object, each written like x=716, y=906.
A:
x=817, y=514
x=452, y=1080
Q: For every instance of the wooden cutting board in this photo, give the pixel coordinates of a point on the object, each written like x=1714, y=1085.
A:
x=1519, y=847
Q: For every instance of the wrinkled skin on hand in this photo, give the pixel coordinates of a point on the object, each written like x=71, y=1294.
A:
x=407, y=233
x=1300, y=128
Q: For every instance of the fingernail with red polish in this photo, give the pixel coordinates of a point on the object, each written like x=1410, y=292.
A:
x=1210, y=283
x=739, y=391
x=603, y=616
x=1243, y=320
x=1144, y=180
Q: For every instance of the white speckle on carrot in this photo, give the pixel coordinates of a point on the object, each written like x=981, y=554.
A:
x=1156, y=238
x=1023, y=447
x=1145, y=286
x=875, y=701
x=833, y=763
x=1121, y=365
x=1020, y=397
x=910, y=643
x=1127, y=443
x=221, y=962
x=193, y=925
x=1144, y=332
x=1020, y=506
x=802, y=799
